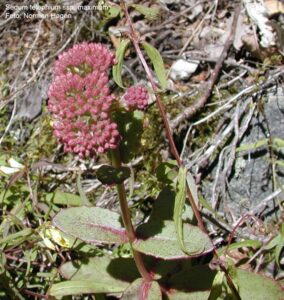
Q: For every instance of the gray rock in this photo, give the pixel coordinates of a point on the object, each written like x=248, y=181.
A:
x=251, y=179
x=30, y=101
x=253, y=183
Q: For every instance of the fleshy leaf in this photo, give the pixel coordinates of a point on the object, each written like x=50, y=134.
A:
x=95, y=275
x=110, y=175
x=101, y=269
x=157, y=62
x=179, y=205
x=254, y=286
x=178, y=295
x=116, y=69
x=92, y=225
x=198, y=281
x=78, y=287
x=139, y=289
x=159, y=239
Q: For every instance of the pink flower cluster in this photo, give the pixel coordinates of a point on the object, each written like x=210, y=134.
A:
x=136, y=97
x=80, y=100
x=84, y=58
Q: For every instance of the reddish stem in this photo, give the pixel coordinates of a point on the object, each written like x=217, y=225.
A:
x=135, y=40
x=116, y=162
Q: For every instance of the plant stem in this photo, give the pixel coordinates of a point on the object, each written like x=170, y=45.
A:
x=135, y=40
x=126, y=218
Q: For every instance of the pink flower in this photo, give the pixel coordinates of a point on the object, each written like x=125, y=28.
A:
x=83, y=59
x=136, y=97
x=81, y=110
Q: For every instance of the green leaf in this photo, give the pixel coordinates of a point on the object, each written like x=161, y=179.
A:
x=279, y=163
x=280, y=245
x=246, y=243
x=166, y=171
x=197, y=281
x=163, y=208
x=104, y=274
x=217, y=286
x=81, y=192
x=116, y=69
x=139, y=289
x=254, y=286
x=278, y=142
x=79, y=287
x=112, y=12
x=130, y=126
x=104, y=269
x=253, y=146
x=273, y=243
x=17, y=237
x=111, y=175
x=178, y=295
x=193, y=188
x=159, y=239
x=193, y=278
x=179, y=205
x=92, y=225
x=150, y=13
x=62, y=198
x=157, y=62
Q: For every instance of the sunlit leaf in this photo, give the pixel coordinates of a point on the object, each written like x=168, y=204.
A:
x=252, y=146
x=104, y=269
x=216, y=289
x=179, y=205
x=159, y=239
x=279, y=246
x=92, y=225
x=247, y=243
x=139, y=289
x=157, y=61
x=117, y=68
x=79, y=287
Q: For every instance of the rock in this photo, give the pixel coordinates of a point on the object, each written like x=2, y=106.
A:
x=258, y=14
x=251, y=179
x=253, y=183
x=30, y=101
x=182, y=69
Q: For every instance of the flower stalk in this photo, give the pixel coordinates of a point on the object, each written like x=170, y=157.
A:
x=126, y=218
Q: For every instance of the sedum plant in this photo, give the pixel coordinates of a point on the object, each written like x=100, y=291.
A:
x=84, y=116
x=88, y=120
